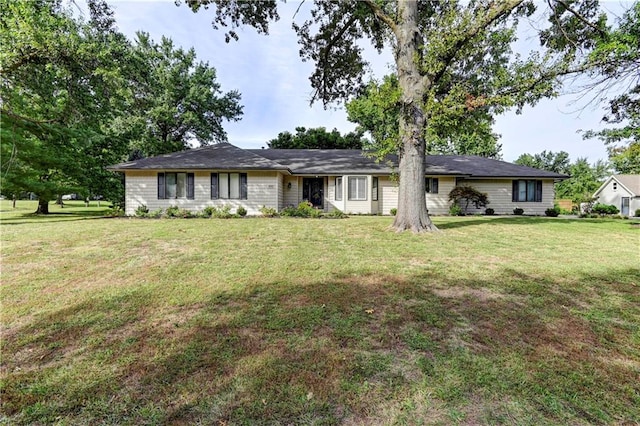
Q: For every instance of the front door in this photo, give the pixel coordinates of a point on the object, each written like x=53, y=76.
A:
x=624, y=211
x=313, y=191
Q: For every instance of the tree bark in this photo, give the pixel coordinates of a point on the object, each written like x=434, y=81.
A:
x=43, y=206
x=412, y=206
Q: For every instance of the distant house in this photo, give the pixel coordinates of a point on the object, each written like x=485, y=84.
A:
x=223, y=174
x=622, y=191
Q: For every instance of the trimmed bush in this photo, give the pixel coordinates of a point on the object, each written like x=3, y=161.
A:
x=456, y=210
x=554, y=212
x=393, y=211
x=304, y=209
x=173, y=211
x=241, y=211
x=637, y=213
x=489, y=212
x=604, y=209
x=518, y=211
x=142, y=211
x=268, y=211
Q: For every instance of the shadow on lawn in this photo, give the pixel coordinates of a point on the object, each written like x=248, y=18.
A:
x=362, y=349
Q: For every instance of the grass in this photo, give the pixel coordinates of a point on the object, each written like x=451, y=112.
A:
x=505, y=320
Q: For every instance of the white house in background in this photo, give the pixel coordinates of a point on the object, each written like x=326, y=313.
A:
x=622, y=191
x=223, y=174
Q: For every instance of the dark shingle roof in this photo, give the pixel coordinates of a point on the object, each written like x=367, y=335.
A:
x=224, y=156
x=221, y=156
x=324, y=161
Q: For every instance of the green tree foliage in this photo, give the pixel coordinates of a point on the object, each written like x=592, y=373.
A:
x=317, y=138
x=584, y=180
x=78, y=96
x=377, y=111
x=450, y=57
x=557, y=162
x=625, y=159
x=60, y=87
x=617, y=57
x=175, y=100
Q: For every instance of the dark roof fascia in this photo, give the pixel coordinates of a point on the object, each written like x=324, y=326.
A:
x=189, y=169
x=555, y=178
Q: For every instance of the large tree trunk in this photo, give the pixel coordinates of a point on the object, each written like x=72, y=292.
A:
x=412, y=206
x=43, y=205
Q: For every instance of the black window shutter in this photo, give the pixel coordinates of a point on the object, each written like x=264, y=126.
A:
x=434, y=185
x=427, y=185
x=160, y=186
x=514, y=191
x=243, y=186
x=539, y=191
x=214, y=186
x=190, y=186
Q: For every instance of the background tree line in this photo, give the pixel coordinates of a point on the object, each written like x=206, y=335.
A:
x=78, y=96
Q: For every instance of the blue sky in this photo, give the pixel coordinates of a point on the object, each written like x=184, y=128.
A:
x=273, y=81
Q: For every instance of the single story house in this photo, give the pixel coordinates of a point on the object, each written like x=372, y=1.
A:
x=349, y=180
x=622, y=191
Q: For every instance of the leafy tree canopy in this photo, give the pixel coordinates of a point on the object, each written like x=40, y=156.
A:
x=377, y=111
x=557, y=162
x=317, y=138
x=617, y=60
x=78, y=96
x=584, y=181
x=61, y=84
x=175, y=100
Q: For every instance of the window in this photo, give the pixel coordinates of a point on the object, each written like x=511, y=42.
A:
x=431, y=185
x=175, y=185
x=357, y=188
x=527, y=191
x=615, y=186
x=339, y=189
x=229, y=186
x=374, y=188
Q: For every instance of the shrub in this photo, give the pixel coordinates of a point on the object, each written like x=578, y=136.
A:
x=155, y=214
x=637, y=213
x=289, y=211
x=142, y=211
x=173, y=211
x=208, y=211
x=268, y=211
x=223, y=212
x=489, y=212
x=304, y=209
x=518, y=211
x=393, y=211
x=241, y=211
x=554, y=212
x=470, y=195
x=456, y=210
x=603, y=209
x=336, y=214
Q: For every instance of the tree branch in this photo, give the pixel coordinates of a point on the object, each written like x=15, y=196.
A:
x=380, y=14
x=581, y=18
x=494, y=14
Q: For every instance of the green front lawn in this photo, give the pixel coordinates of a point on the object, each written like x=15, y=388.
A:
x=301, y=321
